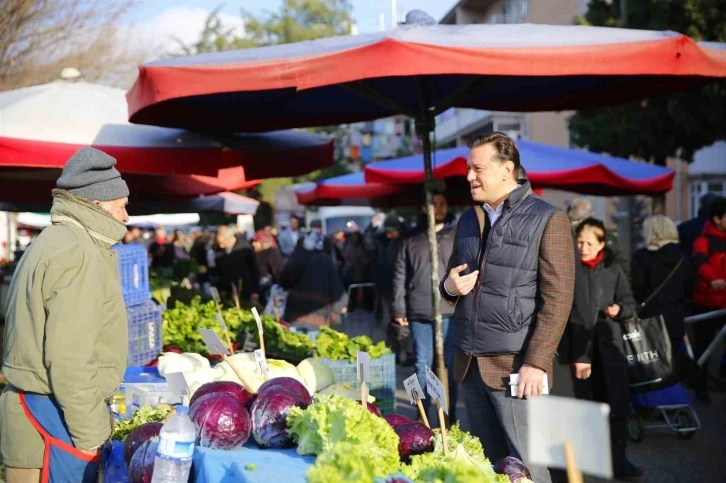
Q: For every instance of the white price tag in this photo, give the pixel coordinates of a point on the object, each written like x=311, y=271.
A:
x=262, y=362
x=177, y=383
x=412, y=387
x=215, y=294
x=514, y=384
x=436, y=389
x=363, y=361
x=257, y=319
x=214, y=343
x=220, y=319
x=553, y=421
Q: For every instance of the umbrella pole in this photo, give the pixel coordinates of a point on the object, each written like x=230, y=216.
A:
x=424, y=128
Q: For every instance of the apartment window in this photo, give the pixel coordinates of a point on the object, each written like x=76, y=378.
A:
x=511, y=11
x=700, y=188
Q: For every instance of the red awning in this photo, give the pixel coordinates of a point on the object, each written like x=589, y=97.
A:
x=42, y=126
x=341, y=79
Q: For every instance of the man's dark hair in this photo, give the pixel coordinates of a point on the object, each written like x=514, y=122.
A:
x=718, y=208
x=435, y=193
x=506, y=149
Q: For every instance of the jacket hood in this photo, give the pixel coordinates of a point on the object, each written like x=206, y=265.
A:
x=711, y=230
x=76, y=210
x=668, y=254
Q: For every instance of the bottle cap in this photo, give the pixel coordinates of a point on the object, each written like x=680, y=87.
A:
x=182, y=410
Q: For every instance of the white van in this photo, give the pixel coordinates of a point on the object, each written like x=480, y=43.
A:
x=335, y=218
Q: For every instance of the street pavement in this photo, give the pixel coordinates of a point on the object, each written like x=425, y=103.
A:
x=663, y=455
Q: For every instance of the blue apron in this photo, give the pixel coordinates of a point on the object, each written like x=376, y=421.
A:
x=62, y=462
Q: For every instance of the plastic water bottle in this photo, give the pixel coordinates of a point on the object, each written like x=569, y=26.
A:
x=173, y=460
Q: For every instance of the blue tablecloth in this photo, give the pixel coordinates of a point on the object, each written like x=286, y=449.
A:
x=215, y=466
x=271, y=465
x=114, y=469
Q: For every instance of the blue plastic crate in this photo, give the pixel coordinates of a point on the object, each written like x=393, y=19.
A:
x=133, y=264
x=144, y=333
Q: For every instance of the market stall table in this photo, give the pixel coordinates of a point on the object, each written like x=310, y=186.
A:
x=216, y=466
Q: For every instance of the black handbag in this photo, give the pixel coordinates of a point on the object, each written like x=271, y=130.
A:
x=647, y=347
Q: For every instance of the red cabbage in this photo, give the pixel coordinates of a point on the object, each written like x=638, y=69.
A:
x=269, y=416
x=397, y=419
x=414, y=438
x=513, y=468
x=227, y=387
x=141, y=467
x=139, y=436
x=372, y=408
x=289, y=383
x=222, y=421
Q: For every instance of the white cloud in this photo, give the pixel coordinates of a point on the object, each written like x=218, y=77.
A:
x=186, y=24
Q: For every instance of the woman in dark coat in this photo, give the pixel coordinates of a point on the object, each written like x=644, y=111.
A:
x=316, y=294
x=651, y=266
x=269, y=260
x=602, y=299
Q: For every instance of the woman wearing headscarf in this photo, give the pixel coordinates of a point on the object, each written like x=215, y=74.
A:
x=316, y=294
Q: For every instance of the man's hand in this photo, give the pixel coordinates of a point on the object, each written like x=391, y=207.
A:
x=612, y=311
x=582, y=370
x=719, y=284
x=402, y=321
x=530, y=381
x=460, y=286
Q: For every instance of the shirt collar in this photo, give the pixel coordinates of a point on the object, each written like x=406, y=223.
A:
x=491, y=210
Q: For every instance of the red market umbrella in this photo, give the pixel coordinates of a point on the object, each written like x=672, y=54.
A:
x=35, y=185
x=419, y=71
x=351, y=187
x=547, y=166
x=42, y=126
x=495, y=67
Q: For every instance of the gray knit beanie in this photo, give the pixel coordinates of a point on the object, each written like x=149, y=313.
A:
x=90, y=173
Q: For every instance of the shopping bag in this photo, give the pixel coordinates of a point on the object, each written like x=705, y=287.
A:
x=647, y=349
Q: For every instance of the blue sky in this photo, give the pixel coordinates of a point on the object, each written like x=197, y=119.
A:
x=365, y=12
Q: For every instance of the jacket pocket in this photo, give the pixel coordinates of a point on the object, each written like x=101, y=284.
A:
x=514, y=309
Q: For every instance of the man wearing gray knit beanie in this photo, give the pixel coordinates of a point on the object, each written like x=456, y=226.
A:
x=66, y=338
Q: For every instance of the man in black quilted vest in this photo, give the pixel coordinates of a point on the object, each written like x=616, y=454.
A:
x=511, y=277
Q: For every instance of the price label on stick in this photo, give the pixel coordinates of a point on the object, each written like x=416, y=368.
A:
x=257, y=319
x=413, y=387
x=177, y=383
x=220, y=319
x=436, y=390
x=364, y=364
x=215, y=294
x=214, y=343
x=262, y=362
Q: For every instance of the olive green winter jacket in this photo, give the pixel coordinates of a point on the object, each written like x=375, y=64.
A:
x=66, y=328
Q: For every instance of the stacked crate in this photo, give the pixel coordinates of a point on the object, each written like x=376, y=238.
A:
x=144, y=316
x=383, y=379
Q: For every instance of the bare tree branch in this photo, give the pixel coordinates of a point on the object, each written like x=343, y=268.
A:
x=40, y=37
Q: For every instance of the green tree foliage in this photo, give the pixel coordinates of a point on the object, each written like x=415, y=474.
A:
x=675, y=124
x=294, y=21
